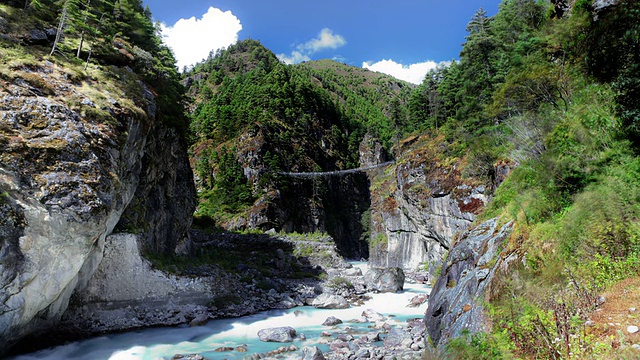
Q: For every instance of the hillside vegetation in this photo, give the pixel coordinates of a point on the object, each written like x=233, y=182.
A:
x=109, y=47
x=556, y=93
x=254, y=117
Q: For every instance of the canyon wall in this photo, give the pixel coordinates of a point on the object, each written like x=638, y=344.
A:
x=69, y=169
x=419, y=205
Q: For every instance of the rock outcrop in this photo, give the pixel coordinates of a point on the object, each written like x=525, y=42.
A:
x=125, y=292
x=161, y=210
x=385, y=279
x=455, y=302
x=70, y=164
x=330, y=301
x=418, y=208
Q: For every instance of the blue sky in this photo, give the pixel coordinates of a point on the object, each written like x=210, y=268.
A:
x=404, y=38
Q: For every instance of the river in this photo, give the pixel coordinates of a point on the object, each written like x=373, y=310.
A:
x=163, y=343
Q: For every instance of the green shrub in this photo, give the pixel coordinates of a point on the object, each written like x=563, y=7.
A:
x=339, y=283
x=380, y=240
x=479, y=346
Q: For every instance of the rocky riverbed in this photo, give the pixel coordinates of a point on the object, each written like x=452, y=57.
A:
x=302, y=277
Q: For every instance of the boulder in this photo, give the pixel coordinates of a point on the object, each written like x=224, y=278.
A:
x=372, y=315
x=312, y=353
x=278, y=334
x=370, y=337
x=418, y=300
x=330, y=301
x=338, y=344
x=398, y=338
x=199, y=321
x=363, y=353
x=331, y=321
x=384, y=279
x=37, y=36
x=223, y=349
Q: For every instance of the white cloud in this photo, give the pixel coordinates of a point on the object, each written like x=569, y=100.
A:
x=192, y=39
x=413, y=73
x=326, y=40
x=294, y=58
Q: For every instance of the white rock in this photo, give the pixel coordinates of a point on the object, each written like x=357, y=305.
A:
x=632, y=329
x=329, y=301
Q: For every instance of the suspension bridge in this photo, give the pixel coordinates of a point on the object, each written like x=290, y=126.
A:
x=334, y=172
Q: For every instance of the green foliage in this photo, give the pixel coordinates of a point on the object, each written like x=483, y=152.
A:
x=613, y=55
x=380, y=240
x=283, y=118
x=304, y=250
x=479, y=346
x=339, y=283
x=311, y=236
x=228, y=191
x=524, y=90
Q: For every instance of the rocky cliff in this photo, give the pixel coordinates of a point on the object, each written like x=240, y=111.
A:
x=419, y=204
x=456, y=300
x=74, y=153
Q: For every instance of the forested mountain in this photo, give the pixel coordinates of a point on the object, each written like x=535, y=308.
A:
x=254, y=117
x=546, y=89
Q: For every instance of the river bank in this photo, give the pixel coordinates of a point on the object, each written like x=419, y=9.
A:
x=382, y=326
x=269, y=280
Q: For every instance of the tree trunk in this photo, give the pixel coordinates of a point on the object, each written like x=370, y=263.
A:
x=86, y=10
x=59, y=33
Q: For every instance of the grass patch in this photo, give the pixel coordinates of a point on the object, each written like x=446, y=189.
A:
x=379, y=240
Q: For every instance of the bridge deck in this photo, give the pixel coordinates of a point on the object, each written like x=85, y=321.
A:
x=335, y=172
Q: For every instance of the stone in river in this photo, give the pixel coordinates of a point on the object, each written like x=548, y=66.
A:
x=278, y=334
x=331, y=321
x=312, y=353
x=330, y=301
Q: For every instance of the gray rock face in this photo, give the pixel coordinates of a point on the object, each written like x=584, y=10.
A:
x=603, y=4
x=165, y=199
x=65, y=180
x=330, y=301
x=419, y=208
x=455, y=300
x=279, y=334
x=65, y=183
x=371, y=152
x=37, y=36
x=312, y=353
x=384, y=280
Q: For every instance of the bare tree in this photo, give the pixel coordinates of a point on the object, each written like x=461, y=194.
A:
x=61, y=26
x=84, y=27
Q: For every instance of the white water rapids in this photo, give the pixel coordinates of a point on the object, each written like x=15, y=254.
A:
x=163, y=343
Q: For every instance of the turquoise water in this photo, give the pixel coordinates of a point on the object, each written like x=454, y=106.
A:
x=163, y=343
